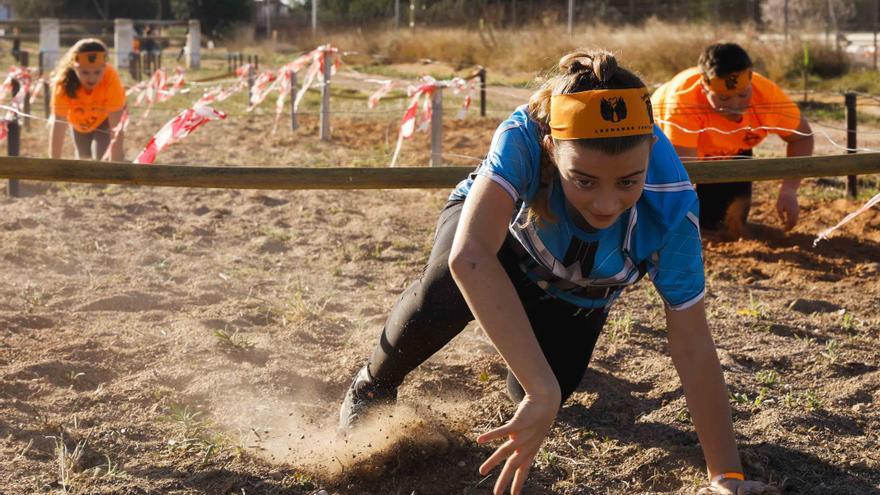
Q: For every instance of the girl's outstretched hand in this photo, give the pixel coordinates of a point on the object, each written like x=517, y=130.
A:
x=524, y=432
x=737, y=487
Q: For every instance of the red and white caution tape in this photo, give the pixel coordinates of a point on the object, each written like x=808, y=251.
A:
x=152, y=90
x=867, y=206
x=285, y=85
x=38, y=89
x=265, y=83
x=318, y=56
x=218, y=93
x=137, y=89
x=385, y=87
x=176, y=85
x=176, y=129
x=408, y=124
x=460, y=85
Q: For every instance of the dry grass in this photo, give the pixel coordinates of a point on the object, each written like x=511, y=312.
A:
x=656, y=49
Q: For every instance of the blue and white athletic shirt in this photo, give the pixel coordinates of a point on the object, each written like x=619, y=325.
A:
x=658, y=237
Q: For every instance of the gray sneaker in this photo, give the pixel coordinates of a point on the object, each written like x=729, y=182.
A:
x=363, y=394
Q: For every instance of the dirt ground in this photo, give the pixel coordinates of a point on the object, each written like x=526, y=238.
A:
x=189, y=341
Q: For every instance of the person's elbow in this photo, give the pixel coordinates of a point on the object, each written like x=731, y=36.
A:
x=466, y=257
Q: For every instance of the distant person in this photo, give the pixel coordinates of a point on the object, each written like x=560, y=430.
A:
x=149, y=44
x=722, y=109
x=16, y=45
x=579, y=197
x=87, y=95
x=151, y=49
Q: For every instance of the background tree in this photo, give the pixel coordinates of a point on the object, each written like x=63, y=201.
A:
x=216, y=16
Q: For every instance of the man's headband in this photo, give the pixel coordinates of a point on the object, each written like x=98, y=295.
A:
x=731, y=83
x=601, y=113
x=91, y=60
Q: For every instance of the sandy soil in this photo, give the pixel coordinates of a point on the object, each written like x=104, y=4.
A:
x=199, y=341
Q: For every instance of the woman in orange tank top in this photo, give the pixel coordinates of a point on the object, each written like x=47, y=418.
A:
x=88, y=96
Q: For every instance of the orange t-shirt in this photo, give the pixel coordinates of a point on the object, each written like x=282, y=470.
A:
x=681, y=107
x=89, y=109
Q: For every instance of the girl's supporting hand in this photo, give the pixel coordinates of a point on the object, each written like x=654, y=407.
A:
x=737, y=487
x=524, y=432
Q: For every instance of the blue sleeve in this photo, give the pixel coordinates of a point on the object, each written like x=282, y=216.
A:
x=677, y=268
x=509, y=162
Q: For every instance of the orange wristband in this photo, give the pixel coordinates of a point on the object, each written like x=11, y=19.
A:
x=728, y=476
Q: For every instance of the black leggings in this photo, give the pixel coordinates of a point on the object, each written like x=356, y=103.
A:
x=83, y=142
x=432, y=311
x=716, y=199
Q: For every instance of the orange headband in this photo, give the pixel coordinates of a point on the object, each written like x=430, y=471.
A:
x=736, y=81
x=601, y=113
x=91, y=60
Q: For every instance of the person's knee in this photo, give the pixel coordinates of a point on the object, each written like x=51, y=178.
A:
x=437, y=287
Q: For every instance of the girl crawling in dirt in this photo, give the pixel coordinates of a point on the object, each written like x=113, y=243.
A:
x=580, y=196
x=87, y=94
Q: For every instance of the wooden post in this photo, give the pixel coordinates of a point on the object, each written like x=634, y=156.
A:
x=251, y=73
x=257, y=62
x=13, y=141
x=26, y=110
x=482, y=76
x=240, y=59
x=41, y=68
x=437, y=128
x=26, y=106
x=293, y=92
x=851, y=123
x=229, y=62
x=47, y=98
x=325, y=97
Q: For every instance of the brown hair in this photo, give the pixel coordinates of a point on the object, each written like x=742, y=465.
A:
x=580, y=70
x=722, y=59
x=64, y=74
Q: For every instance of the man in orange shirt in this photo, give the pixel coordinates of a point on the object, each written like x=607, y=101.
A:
x=89, y=96
x=723, y=109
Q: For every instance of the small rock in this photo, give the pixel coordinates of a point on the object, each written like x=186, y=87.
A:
x=810, y=306
x=868, y=269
